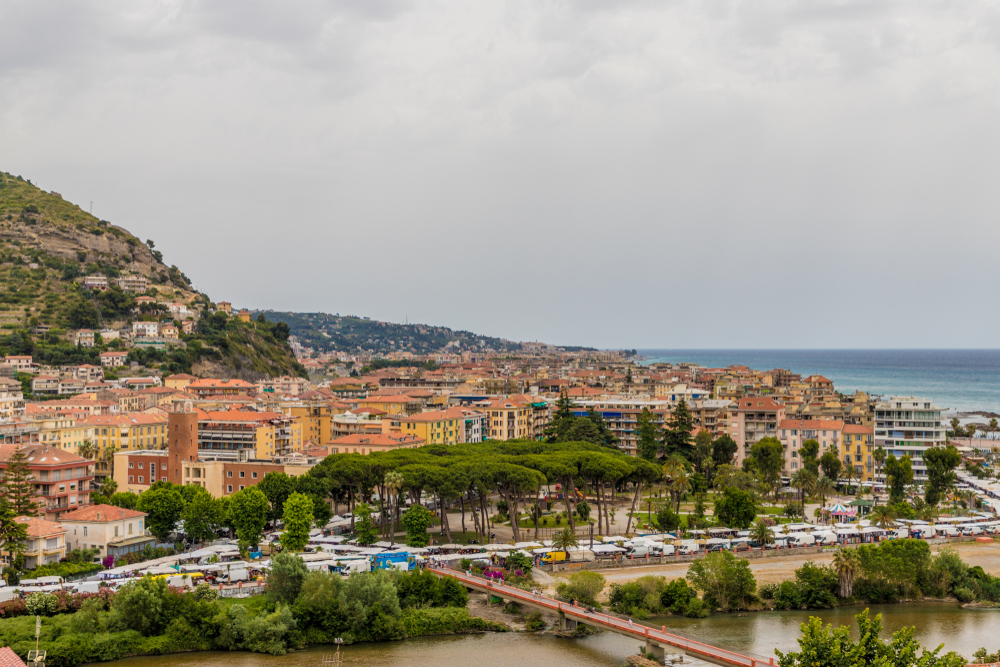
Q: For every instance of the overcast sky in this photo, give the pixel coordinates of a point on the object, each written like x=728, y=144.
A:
x=614, y=173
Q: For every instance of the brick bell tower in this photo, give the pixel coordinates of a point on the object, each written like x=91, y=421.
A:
x=182, y=439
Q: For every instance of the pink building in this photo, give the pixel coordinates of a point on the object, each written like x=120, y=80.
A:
x=752, y=420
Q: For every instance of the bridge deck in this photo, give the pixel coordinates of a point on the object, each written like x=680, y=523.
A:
x=659, y=637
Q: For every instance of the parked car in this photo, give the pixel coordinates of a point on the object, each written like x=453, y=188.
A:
x=741, y=545
x=718, y=546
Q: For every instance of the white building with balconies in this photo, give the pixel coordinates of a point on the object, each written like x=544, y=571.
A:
x=909, y=426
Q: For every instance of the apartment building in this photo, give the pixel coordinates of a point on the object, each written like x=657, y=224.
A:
x=711, y=414
x=11, y=399
x=752, y=420
x=394, y=406
x=207, y=387
x=857, y=451
x=622, y=416
x=364, y=443
x=315, y=421
x=61, y=431
x=124, y=432
x=440, y=427
x=266, y=434
x=794, y=432
x=62, y=480
x=909, y=426
x=508, y=419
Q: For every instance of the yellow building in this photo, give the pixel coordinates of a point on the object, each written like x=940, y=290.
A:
x=65, y=433
x=178, y=381
x=268, y=434
x=439, y=427
x=857, y=451
x=314, y=420
x=507, y=419
x=120, y=433
x=392, y=405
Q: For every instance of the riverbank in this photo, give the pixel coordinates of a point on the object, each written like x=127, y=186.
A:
x=776, y=570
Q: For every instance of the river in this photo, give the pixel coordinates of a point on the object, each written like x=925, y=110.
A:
x=962, y=630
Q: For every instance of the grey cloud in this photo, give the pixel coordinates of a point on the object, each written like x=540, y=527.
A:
x=631, y=173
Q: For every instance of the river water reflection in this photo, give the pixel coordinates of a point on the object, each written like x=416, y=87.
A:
x=962, y=630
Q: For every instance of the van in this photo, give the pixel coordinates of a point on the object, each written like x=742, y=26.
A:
x=780, y=542
x=641, y=551
x=946, y=530
x=553, y=557
x=970, y=531
x=825, y=539
x=801, y=540
x=688, y=549
x=668, y=550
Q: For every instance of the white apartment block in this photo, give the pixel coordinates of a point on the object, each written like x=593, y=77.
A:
x=908, y=426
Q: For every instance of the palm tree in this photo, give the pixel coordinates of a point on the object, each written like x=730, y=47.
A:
x=761, y=533
x=847, y=565
x=879, y=460
x=393, y=483
x=87, y=450
x=565, y=539
x=678, y=480
x=883, y=517
x=824, y=487
x=805, y=481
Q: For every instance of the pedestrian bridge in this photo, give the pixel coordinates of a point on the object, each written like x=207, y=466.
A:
x=659, y=643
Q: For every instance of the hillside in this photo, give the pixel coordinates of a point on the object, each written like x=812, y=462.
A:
x=48, y=245
x=324, y=332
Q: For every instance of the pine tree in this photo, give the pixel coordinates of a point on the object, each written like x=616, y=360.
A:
x=18, y=485
x=678, y=438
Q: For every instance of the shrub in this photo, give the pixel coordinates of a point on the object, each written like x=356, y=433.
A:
x=583, y=587
x=677, y=596
x=964, y=594
x=533, y=622
x=40, y=604
x=787, y=596
x=767, y=591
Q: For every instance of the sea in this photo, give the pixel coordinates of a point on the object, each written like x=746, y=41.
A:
x=957, y=380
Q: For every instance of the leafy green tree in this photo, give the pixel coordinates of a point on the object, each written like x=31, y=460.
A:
x=769, y=458
x=941, y=463
x=821, y=646
x=417, y=520
x=163, y=507
x=248, y=515
x=125, y=499
x=898, y=474
x=725, y=580
x=298, y=520
x=18, y=485
x=202, y=515
x=809, y=452
x=285, y=579
x=142, y=605
x=649, y=435
x=831, y=465
x=677, y=438
x=736, y=508
x=373, y=607
x=724, y=450
x=667, y=519
x=364, y=525
x=276, y=487
x=13, y=533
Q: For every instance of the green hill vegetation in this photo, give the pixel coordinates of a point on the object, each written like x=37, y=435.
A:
x=324, y=332
x=47, y=246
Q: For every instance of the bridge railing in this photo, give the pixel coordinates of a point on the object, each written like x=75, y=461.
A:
x=689, y=645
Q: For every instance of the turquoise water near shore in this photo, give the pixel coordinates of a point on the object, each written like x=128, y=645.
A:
x=959, y=380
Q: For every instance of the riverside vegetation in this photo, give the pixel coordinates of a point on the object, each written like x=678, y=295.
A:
x=146, y=617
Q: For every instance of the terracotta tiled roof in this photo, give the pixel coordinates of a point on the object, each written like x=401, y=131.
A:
x=10, y=659
x=40, y=527
x=859, y=429
x=41, y=454
x=100, y=514
x=812, y=424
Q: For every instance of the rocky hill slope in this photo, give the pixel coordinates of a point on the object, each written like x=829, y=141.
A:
x=47, y=246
